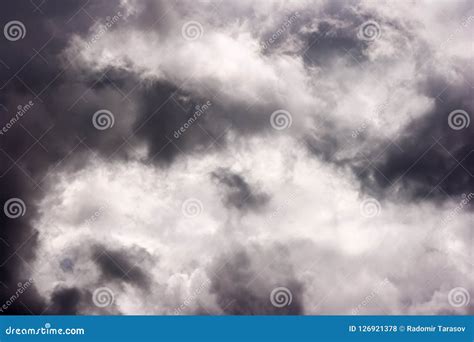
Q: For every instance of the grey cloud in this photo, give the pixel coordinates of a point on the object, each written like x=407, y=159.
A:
x=239, y=193
x=243, y=282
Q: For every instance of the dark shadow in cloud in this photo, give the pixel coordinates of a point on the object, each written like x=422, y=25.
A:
x=244, y=280
x=435, y=161
x=122, y=265
x=65, y=301
x=239, y=194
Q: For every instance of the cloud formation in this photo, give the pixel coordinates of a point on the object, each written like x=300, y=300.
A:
x=373, y=155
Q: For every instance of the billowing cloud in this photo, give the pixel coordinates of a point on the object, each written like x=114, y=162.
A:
x=237, y=158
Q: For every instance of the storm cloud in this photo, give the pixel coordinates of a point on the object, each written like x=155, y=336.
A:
x=236, y=157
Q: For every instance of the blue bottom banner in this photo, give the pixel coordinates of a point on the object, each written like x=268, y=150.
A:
x=237, y=328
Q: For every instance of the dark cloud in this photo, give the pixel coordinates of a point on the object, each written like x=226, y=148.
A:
x=427, y=160
x=239, y=193
x=65, y=301
x=122, y=266
x=244, y=281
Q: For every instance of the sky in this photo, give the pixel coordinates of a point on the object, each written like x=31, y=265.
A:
x=222, y=157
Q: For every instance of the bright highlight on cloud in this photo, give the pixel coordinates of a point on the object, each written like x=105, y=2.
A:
x=277, y=157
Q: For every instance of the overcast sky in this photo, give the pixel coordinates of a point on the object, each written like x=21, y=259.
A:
x=236, y=157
